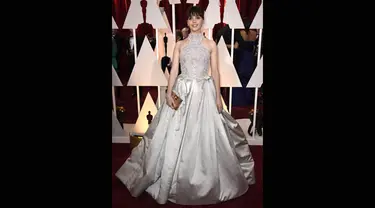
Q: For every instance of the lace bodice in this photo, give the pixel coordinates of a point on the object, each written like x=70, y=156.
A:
x=194, y=58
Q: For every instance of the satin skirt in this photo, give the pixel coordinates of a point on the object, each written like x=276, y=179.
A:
x=191, y=156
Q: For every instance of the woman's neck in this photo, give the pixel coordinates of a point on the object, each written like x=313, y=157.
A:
x=195, y=34
x=195, y=37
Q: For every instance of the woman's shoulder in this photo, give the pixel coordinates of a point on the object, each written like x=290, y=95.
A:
x=179, y=44
x=210, y=43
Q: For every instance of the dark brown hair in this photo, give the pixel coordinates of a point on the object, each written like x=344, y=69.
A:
x=179, y=34
x=195, y=11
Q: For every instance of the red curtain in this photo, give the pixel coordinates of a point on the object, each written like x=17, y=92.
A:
x=247, y=8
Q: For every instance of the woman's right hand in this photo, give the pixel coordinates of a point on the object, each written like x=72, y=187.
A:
x=170, y=101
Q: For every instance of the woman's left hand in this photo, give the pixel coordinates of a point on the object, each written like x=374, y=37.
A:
x=219, y=105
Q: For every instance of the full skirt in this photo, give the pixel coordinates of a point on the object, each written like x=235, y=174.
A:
x=191, y=156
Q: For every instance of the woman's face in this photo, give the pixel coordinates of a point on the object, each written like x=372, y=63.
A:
x=195, y=23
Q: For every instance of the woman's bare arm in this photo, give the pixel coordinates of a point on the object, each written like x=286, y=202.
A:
x=175, y=66
x=214, y=68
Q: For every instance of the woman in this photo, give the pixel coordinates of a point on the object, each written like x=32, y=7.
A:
x=196, y=153
x=226, y=33
x=245, y=62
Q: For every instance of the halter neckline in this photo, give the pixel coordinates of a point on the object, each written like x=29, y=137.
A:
x=195, y=37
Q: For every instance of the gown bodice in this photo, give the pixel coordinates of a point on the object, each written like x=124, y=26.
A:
x=194, y=58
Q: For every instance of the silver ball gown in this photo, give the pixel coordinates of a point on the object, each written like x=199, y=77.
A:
x=195, y=155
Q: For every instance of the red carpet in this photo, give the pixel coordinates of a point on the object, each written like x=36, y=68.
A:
x=121, y=198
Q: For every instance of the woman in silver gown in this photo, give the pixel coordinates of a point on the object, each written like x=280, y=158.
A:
x=195, y=154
